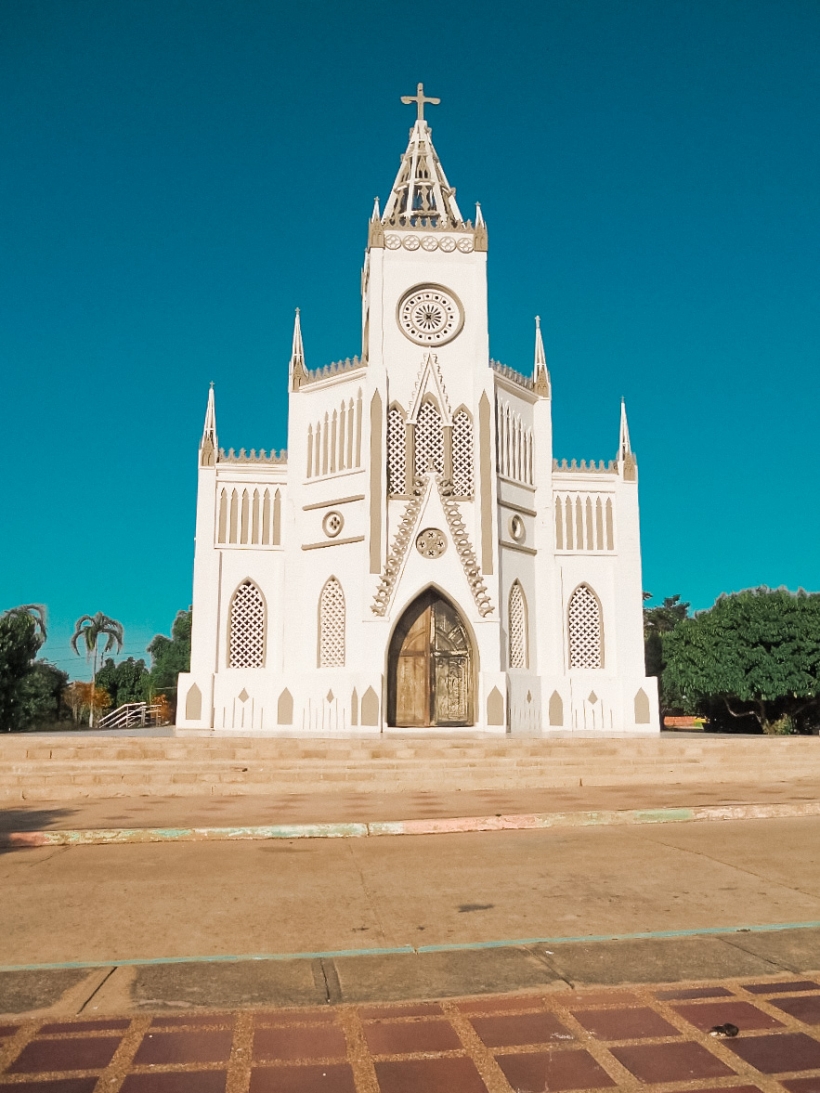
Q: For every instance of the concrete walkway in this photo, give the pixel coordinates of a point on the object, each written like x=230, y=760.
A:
x=330, y=815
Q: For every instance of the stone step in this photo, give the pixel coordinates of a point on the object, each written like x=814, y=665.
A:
x=62, y=767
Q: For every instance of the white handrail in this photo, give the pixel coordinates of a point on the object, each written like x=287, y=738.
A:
x=130, y=714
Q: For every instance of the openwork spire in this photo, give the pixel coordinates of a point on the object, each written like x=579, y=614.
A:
x=421, y=196
x=208, y=445
x=540, y=374
x=298, y=371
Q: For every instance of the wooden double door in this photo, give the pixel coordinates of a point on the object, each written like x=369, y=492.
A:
x=430, y=669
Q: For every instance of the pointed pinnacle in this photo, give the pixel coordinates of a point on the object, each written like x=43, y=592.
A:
x=298, y=351
x=209, y=428
x=540, y=355
x=624, y=445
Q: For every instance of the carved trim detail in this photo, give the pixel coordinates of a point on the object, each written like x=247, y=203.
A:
x=398, y=550
x=464, y=547
x=405, y=536
x=252, y=457
x=511, y=375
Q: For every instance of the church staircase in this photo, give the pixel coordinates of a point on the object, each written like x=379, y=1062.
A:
x=75, y=766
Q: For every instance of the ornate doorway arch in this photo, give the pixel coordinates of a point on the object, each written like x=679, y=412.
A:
x=430, y=666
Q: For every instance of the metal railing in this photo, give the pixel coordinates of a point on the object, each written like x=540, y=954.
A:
x=131, y=715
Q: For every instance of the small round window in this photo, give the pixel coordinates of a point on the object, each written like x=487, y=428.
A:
x=517, y=529
x=332, y=524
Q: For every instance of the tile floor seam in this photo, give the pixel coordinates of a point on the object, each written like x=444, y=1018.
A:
x=788, y=1019
x=716, y=1047
x=624, y=1079
x=112, y=1077
x=482, y=1056
x=358, y=1054
x=239, y=1067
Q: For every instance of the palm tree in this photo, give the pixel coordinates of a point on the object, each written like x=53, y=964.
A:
x=91, y=628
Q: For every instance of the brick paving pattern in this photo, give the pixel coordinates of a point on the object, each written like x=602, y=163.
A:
x=547, y=1042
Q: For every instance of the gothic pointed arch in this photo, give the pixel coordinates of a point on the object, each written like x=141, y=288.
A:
x=463, y=449
x=429, y=438
x=331, y=652
x=246, y=626
x=585, y=629
x=430, y=384
x=396, y=450
x=517, y=623
x=432, y=665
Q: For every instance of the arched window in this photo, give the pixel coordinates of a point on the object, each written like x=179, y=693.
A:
x=246, y=643
x=462, y=454
x=429, y=439
x=396, y=452
x=518, y=627
x=332, y=625
x=586, y=644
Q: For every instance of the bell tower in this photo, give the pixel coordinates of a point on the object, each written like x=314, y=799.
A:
x=425, y=279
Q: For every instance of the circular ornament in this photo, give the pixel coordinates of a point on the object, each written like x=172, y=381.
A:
x=411, y=242
x=430, y=315
x=332, y=523
x=517, y=529
x=392, y=242
x=465, y=245
x=448, y=244
x=429, y=242
x=431, y=543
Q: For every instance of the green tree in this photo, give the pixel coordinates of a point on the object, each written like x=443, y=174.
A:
x=127, y=681
x=40, y=695
x=20, y=640
x=90, y=628
x=658, y=621
x=755, y=652
x=170, y=656
x=35, y=611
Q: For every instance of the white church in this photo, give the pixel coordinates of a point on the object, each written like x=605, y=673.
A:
x=417, y=560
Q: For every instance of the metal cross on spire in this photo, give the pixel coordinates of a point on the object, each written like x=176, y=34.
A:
x=419, y=99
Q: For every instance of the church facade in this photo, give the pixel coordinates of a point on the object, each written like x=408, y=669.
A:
x=417, y=560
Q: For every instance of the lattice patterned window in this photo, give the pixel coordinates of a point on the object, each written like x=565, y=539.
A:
x=396, y=452
x=462, y=454
x=585, y=630
x=518, y=627
x=332, y=625
x=429, y=439
x=246, y=645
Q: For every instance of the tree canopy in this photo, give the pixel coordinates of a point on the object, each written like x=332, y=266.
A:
x=658, y=621
x=20, y=640
x=127, y=681
x=170, y=656
x=757, y=652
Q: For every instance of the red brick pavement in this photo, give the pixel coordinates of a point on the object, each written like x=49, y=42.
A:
x=525, y=1043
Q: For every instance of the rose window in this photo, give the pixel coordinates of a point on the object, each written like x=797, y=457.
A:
x=430, y=315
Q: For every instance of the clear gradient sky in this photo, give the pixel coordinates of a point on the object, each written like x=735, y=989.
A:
x=176, y=176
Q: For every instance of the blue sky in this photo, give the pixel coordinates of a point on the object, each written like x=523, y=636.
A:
x=178, y=175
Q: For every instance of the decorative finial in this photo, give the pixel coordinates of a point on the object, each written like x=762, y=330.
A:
x=419, y=99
